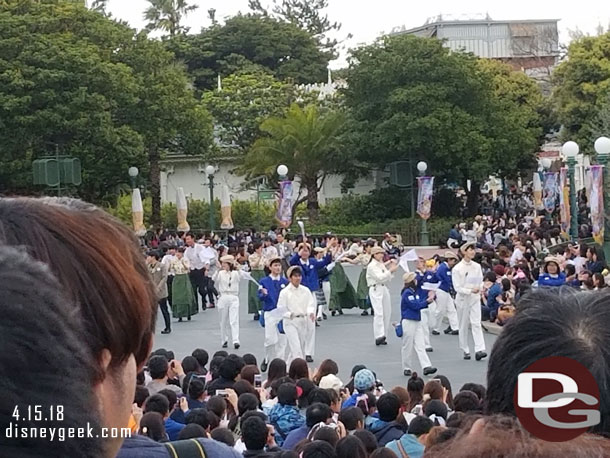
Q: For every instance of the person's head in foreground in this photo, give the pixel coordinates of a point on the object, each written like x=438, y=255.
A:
x=43, y=364
x=103, y=275
x=549, y=322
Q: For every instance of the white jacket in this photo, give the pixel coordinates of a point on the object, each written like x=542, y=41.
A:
x=297, y=301
x=377, y=274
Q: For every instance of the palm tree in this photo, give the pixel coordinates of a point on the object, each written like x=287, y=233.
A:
x=305, y=140
x=166, y=15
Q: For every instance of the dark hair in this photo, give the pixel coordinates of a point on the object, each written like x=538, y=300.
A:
x=350, y=447
x=455, y=420
x=298, y=369
x=247, y=402
x=276, y=370
x=326, y=434
x=388, y=407
x=317, y=413
x=287, y=394
x=490, y=276
x=198, y=416
x=415, y=386
x=333, y=395
x=154, y=253
x=248, y=372
x=434, y=389
x=191, y=431
x=221, y=353
x=447, y=385
x=171, y=396
x=254, y=433
x=218, y=405
x=295, y=271
x=157, y=403
x=435, y=407
x=355, y=369
x=319, y=449
x=229, y=369
x=107, y=281
x=158, y=366
x=366, y=404
x=307, y=386
x=223, y=435
x=250, y=360
x=152, y=425
x=319, y=395
x=215, y=366
x=476, y=388
x=140, y=395
x=327, y=367
x=196, y=388
x=368, y=439
x=383, y=452
x=420, y=425
x=467, y=401
x=350, y=418
x=213, y=420
x=190, y=364
x=201, y=356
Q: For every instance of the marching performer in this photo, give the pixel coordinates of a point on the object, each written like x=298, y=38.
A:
x=444, y=301
x=467, y=282
x=412, y=304
x=362, y=291
x=342, y=293
x=269, y=293
x=426, y=276
x=227, y=282
x=300, y=306
x=184, y=303
x=257, y=265
x=378, y=275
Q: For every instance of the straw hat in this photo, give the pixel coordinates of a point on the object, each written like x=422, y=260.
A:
x=228, y=259
x=273, y=259
x=467, y=245
x=450, y=255
x=552, y=259
x=293, y=269
x=408, y=277
x=318, y=249
x=376, y=250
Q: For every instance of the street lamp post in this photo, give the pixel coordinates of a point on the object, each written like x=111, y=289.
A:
x=570, y=150
x=602, y=148
x=133, y=176
x=282, y=171
x=210, y=170
x=424, y=240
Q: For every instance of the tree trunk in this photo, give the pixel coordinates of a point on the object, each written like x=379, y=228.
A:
x=313, y=206
x=155, y=186
x=472, y=198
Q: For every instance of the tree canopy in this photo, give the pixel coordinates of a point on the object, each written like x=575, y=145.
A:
x=167, y=15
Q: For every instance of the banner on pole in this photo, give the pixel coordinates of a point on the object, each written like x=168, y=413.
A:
x=225, y=208
x=564, y=201
x=537, y=185
x=597, y=202
x=424, y=196
x=284, y=205
x=137, y=213
x=549, y=196
x=182, y=207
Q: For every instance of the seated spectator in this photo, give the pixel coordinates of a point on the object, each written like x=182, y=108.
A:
x=225, y=436
x=160, y=404
x=202, y=358
x=467, y=401
x=477, y=389
x=315, y=414
x=285, y=415
x=248, y=372
x=319, y=449
x=331, y=381
x=199, y=417
x=298, y=369
x=190, y=365
x=196, y=393
x=258, y=438
x=228, y=371
x=368, y=439
x=277, y=370
x=326, y=433
x=250, y=360
x=436, y=410
x=405, y=400
x=159, y=369
x=351, y=447
x=364, y=382
x=352, y=418
x=387, y=428
x=411, y=444
x=192, y=431
x=415, y=387
x=152, y=425
x=327, y=367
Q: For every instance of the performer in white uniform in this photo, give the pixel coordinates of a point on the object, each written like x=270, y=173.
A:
x=227, y=282
x=378, y=275
x=300, y=308
x=467, y=281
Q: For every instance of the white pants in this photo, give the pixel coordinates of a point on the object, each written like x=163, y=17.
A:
x=310, y=340
x=469, y=312
x=413, y=339
x=296, y=334
x=228, y=310
x=275, y=343
x=380, y=302
x=445, y=306
x=425, y=321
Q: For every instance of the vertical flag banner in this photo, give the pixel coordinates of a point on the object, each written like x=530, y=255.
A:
x=597, y=202
x=537, y=185
x=549, y=196
x=137, y=213
x=182, y=207
x=424, y=196
x=225, y=208
x=564, y=200
x=284, y=206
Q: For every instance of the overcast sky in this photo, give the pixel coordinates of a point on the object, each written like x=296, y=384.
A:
x=366, y=19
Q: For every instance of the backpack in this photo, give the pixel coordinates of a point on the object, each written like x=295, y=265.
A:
x=190, y=448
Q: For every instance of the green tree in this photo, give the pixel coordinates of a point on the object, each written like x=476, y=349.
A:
x=249, y=43
x=582, y=86
x=308, y=142
x=63, y=88
x=167, y=15
x=245, y=101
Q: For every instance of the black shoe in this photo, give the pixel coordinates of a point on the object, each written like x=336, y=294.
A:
x=256, y=317
x=466, y=355
x=380, y=341
x=340, y=312
x=317, y=324
x=236, y=346
x=454, y=333
x=429, y=370
x=319, y=318
x=479, y=355
x=448, y=330
x=364, y=313
x=309, y=359
x=436, y=333
x=179, y=320
x=324, y=315
x=166, y=331
x=407, y=372
x=264, y=366
x=333, y=313
x=429, y=349
x=189, y=318
x=225, y=345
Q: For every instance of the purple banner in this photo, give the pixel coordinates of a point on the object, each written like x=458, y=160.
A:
x=596, y=201
x=284, y=206
x=424, y=196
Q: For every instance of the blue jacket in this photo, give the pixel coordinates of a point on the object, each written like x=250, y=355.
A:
x=545, y=279
x=295, y=436
x=310, y=270
x=173, y=428
x=492, y=299
x=386, y=431
x=273, y=288
x=285, y=419
x=411, y=304
x=138, y=446
x=443, y=274
x=410, y=444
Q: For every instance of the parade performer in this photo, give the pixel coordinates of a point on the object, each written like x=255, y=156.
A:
x=426, y=275
x=378, y=275
x=300, y=307
x=227, y=282
x=184, y=303
x=158, y=272
x=362, y=292
x=309, y=271
x=552, y=275
x=168, y=259
x=467, y=282
x=323, y=293
x=197, y=262
x=412, y=304
x=444, y=301
x=268, y=293
x=257, y=269
x=342, y=292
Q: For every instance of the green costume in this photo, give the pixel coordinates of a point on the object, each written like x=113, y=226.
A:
x=342, y=293
x=363, y=291
x=254, y=304
x=183, y=299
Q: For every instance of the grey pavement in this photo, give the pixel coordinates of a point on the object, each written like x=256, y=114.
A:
x=347, y=339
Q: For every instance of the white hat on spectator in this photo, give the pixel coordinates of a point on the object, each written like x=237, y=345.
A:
x=331, y=381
